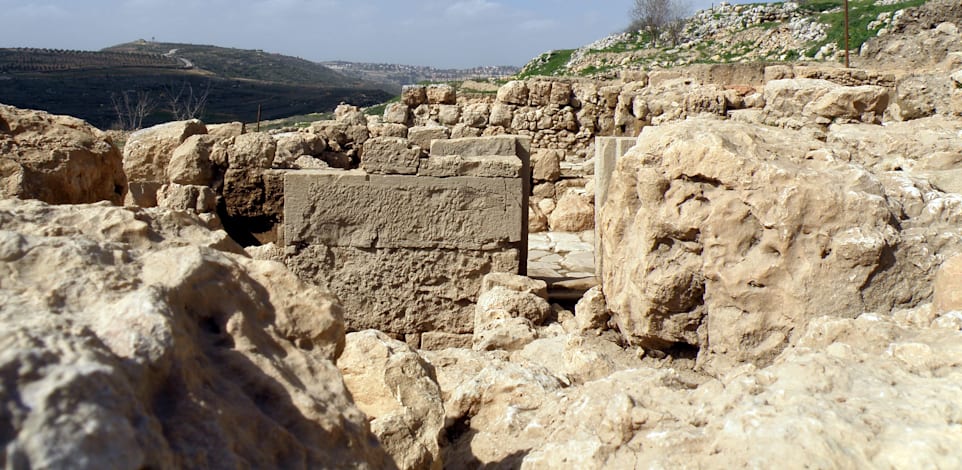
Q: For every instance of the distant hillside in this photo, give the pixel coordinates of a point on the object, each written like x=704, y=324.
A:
x=242, y=63
x=398, y=75
x=82, y=83
x=758, y=32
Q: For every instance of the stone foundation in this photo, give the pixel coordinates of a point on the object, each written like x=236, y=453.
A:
x=406, y=253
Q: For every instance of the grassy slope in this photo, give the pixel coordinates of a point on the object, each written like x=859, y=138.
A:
x=239, y=81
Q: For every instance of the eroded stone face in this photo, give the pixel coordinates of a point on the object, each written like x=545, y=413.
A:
x=726, y=236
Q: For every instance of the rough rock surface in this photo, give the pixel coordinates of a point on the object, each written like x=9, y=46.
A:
x=132, y=339
x=399, y=392
x=57, y=159
x=707, y=226
x=147, y=154
x=847, y=393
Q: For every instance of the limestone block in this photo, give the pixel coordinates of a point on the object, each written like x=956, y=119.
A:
x=438, y=340
x=441, y=94
x=537, y=220
x=515, y=283
x=225, y=131
x=501, y=115
x=544, y=190
x=476, y=114
x=58, y=159
x=390, y=156
x=521, y=304
x=423, y=135
x=462, y=131
x=414, y=95
x=254, y=150
x=539, y=93
x=338, y=208
x=561, y=94
x=350, y=115
x=397, y=113
x=475, y=147
x=546, y=165
x=294, y=145
x=147, y=152
x=190, y=162
x=498, y=330
x=573, y=214
x=701, y=259
x=948, y=286
x=449, y=114
x=514, y=92
x=489, y=166
x=398, y=391
x=403, y=290
x=388, y=130
x=187, y=198
x=591, y=311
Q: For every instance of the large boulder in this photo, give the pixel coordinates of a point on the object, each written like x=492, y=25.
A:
x=57, y=159
x=727, y=236
x=131, y=340
x=147, y=155
x=398, y=391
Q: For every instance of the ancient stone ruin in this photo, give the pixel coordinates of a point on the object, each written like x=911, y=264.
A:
x=777, y=251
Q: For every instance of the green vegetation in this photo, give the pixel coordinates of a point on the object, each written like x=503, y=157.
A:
x=550, y=63
x=378, y=109
x=861, y=13
x=300, y=121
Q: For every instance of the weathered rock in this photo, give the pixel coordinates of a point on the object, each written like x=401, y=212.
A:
x=948, y=287
x=476, y=115
x=226, y=130
x=339, y=208
x=449, y=114
x=390, y=156
x=294, y=145
x=515, y=283
x=438, y=340
x=251, y=151
x=350, y=115
x=147, y=154
x=794, y=102
x=441, y=94
x=514, y=92
x=181, y=197
x=414, y=95
x=496, y=329
x=591, y=311
x=919, y=96
x=491, y=166
x=708, y=224
x=526, y=305
x=574, y=213
x=546, y=165
x=423, y=135
x=397, y=113
x=422, y=284
x=398, y=391
x=190, y=163
x=57, y=159
x=159, y=351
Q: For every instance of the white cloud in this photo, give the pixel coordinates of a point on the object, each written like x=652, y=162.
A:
x=471, y=8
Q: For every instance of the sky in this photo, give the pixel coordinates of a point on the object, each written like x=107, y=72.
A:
x=438, y=33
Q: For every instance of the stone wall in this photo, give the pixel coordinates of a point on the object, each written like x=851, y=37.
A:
x=405, y=240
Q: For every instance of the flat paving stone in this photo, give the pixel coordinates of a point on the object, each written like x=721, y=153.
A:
x=580, y=261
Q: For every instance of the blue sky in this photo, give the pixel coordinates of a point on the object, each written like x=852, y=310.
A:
x=452, y=33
